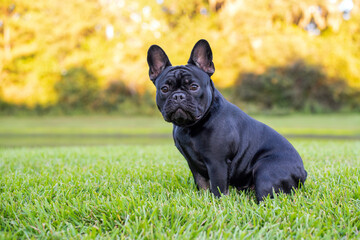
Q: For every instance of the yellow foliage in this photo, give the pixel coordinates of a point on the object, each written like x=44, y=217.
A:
x=40, y=40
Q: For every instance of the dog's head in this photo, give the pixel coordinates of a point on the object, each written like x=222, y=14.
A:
x=183, y=93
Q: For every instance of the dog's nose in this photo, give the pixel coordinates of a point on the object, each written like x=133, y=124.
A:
x=178, y=97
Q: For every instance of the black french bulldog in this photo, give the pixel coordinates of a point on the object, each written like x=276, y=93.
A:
x=222, y=145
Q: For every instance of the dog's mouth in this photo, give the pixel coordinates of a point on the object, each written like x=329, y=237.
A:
x=181, y=117
x=179, y=114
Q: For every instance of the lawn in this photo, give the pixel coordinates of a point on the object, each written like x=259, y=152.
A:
x=105, y=130
x=123, y=178
x=147, y=192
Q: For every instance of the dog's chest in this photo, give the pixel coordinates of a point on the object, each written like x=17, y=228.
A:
x=189, y=148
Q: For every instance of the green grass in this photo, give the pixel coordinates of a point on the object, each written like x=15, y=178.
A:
x=301, y=124
x=95, y=130
x=323, y=124
x=84, y=125
x=83, y=130
x=147, y=192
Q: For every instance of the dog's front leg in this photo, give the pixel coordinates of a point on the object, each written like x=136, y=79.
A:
x=200, y=181
x=219, y=180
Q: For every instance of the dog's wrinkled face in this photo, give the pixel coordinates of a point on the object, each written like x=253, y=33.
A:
x=183, y=93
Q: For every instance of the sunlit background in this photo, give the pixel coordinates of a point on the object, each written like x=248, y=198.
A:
x=90, y=56
x=85, y=153
x=77, y=67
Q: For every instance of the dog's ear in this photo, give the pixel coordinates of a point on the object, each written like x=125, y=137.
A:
x=201, y=56
x=157, y=60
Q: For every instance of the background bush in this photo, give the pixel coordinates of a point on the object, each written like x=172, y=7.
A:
x=296, y=87
x=46, y=45
x=77, y=90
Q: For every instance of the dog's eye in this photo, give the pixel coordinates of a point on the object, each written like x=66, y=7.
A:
x=193, y=87
x=164, y=89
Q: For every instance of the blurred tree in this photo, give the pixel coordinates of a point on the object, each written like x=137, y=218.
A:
x=77, y=90
x=297, y=86
x=40, y=40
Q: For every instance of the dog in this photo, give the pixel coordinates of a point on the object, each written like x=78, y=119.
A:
x=223, y=146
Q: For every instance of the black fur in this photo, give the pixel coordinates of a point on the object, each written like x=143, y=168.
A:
x=222, y=145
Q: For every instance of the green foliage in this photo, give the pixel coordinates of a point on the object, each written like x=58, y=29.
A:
x=77, y=89
x=115, y=93
x=118, y=98
x=41, y=40
x=148, y=192
x=298, y=87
